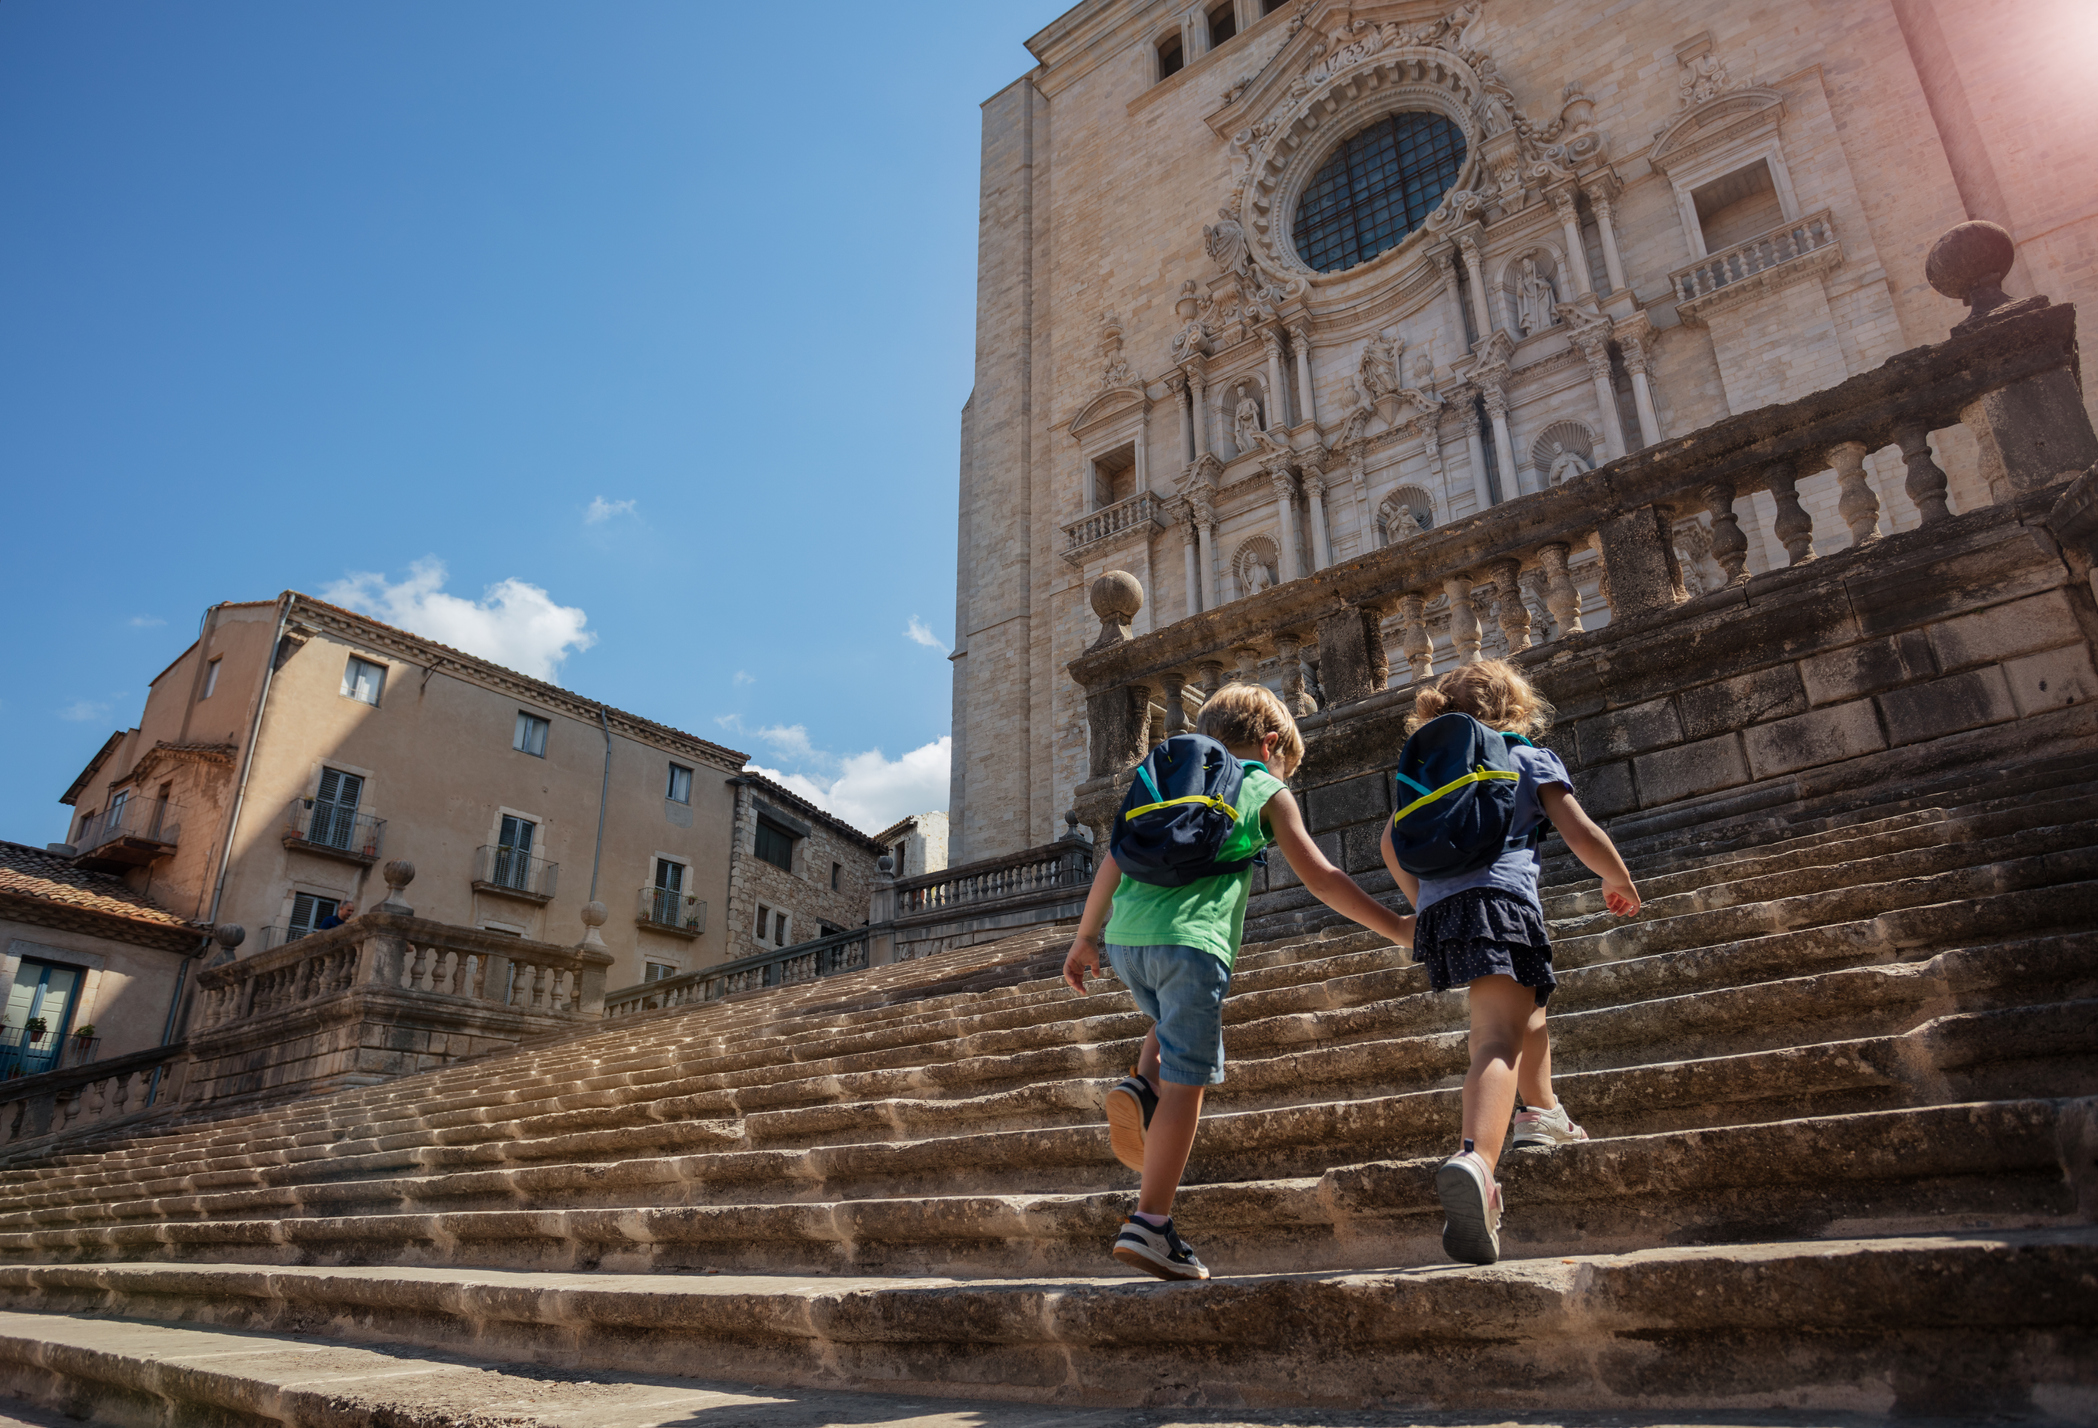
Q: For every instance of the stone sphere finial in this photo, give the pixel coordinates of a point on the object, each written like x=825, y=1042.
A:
x=593, y=914
x=398, y=873
x=229, y=935
x=1968, y=264
x=1117, y=596
x=885, y=865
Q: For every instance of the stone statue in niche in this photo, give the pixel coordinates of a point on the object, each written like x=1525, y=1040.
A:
x=1258, y=577
x=1566, y=464
x=1402, y=524
x=1245, y=422
x=1534, y=299
x=1380, y=366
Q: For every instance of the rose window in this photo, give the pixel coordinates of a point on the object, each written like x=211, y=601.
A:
x=1380, y=185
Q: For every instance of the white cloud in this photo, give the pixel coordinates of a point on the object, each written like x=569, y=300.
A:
x=514, y=623
x=602, y=510
x=871, y=791
x=146, y=622
x=792, y=742
x=80, y=711
x=742, y=678
x=917, y=633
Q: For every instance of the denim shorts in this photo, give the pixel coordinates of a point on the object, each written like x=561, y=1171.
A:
x=1182, y=989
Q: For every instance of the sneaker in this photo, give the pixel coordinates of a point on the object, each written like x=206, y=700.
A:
x=1129, y=1107
x=1471, y=1199
x=1159, y=1252
x=1552, y=1127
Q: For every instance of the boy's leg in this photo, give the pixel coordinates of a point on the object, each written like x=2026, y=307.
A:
x=1147, y=1059
x=1502, y=1010
x=1167, y=1145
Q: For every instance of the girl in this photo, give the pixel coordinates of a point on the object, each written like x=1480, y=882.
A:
x=1484, y=931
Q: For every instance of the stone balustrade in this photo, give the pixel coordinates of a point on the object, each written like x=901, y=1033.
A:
x=1067, y=863
x=1081, y=535
x=2009, y=379
x=803, y=962
x=56, y=1102
x=1740, y=266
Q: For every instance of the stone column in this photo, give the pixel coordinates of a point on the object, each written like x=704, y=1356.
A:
x=1286, y=522
x=1453, y=294
x=1596, y=353
x=1143, y=445
x=1476, y=270
x=1300, y=339
x=1793, y=526
x=1509, y=610
x=1858, y=504
x=1173, y=682
x=1599, y=201
x=1475, y=451
x=1198, y=392
x=1315, y=499
x=1576, y=251
x=1633, y=345
x=1206, y=532
x=1639, y=559
x=1926, y=480
x=1414, y=641
x=1465, y=633
x=1503, y=443
x=1729, y=544
x=1560, y=597
x=1178, y=385
x=1278, y=393
x=1431, y=443
x=1189, y=541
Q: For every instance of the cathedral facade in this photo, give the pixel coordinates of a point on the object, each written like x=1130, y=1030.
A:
x=1265, y=285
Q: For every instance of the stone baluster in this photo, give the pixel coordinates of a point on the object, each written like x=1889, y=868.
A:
x=1414, y=641
x=1288, y=646
x=1599, y=197
x=1465, y=633
x=1509, y=610
x=1173, y=682
x=1475, y=452
x=1859, y=503
x=1209, y=677
x=1639, y=562
x=1576, y=250
x=1793, y=526
x=1729, y=544
x=1286, y=521
x=1315, y=502
x=1248, y=657
x=1926, y=479
x=1300, y=342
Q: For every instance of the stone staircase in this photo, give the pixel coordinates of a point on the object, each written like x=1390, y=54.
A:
x=1839, y=1074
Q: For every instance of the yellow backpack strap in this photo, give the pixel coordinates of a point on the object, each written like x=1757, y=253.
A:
x=1217, y=803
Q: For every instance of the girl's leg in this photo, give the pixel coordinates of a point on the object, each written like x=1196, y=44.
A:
x=1533, y=1073
x=1501, y=1011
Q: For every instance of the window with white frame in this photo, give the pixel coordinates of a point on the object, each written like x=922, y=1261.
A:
x=363, y=680
x=657, y=971
x=531, y=735
x=679, y=787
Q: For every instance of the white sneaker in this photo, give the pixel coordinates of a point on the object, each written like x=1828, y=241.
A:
x=1472, y=1201
x=1552, y=1127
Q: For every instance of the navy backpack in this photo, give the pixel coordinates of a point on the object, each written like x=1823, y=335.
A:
x=1181, y=806
x=1456, y=798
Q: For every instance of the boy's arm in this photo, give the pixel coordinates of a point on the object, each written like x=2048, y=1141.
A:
x=1086, y=944
x=1327, y=883
x=1592, y=846
x=1408, y=883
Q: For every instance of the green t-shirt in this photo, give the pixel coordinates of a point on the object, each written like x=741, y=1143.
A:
x=1209, y=913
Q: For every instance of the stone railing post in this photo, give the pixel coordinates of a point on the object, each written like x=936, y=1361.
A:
x=1729, y=544
x=382, y=958
x=1926, y=479
x=1351, y=655
x=1209, y=677
x=1288, y=646
x=1465, y=633
x=881, y=913
x=589, y=995
x=1415, y=643
x=1173, y=682
x=1793, y=526
x=1118, y=716
x=1639, y=559
x=1857, y=503
x=1509, y=610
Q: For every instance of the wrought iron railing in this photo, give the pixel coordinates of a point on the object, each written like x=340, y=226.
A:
x=147, y=819
x=514, y=870
x=671, y=908
x=30, y=1053
x=338, y=827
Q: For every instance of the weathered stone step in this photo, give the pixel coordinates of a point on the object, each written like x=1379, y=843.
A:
x=1990, y=1165
x=1914, y=1323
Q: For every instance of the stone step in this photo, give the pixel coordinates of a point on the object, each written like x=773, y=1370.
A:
x=1914, y=1324
x=1987, y=1165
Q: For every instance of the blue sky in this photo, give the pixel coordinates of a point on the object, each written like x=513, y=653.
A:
x=624, y=342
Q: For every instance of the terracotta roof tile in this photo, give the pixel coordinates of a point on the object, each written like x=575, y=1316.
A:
x=32, y=872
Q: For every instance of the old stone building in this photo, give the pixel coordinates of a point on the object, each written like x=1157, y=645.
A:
x=917, y=844
x=296, y=747
x=797, y=873
x=1264, y=287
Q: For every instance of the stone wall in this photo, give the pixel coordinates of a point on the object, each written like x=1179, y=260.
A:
x=807, y=893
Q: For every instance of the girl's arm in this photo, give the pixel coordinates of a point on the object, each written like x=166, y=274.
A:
x=1408, y=883
x=1592, y=846
x=1327, y=883
x=1086, y=945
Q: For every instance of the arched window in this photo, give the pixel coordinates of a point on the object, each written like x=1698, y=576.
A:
x=1171, y=58
x=1380, y=185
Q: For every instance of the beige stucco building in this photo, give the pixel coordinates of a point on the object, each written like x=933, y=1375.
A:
x=1264, y=286
x=296, y=747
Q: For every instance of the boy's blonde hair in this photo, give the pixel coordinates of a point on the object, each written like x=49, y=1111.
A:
x=1492, y=691
x=1242, y=714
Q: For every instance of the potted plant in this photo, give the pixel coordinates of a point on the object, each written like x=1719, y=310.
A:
x=36, y=1026
x=84, y=1033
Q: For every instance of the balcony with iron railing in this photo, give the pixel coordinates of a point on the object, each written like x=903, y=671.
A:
x=130, y=835
x=670, y=910
x=28, y=1052
x=513, y=872
x=334, y=830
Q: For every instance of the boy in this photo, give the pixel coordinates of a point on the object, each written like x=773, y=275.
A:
x=1174, y=948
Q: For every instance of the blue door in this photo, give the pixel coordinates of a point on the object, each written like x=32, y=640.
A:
x=44, y=990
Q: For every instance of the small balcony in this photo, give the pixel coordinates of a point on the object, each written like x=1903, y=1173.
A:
x=1760, y=264
x=1140, y=514
x=29, y=1053
x=514, y=873
x=681, y=914
x=334, y=830
x=131, y=835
